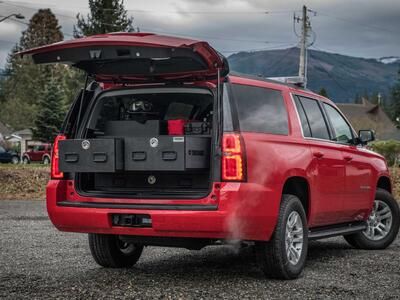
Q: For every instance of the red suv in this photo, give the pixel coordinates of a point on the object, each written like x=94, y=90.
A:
x=38, y=153
x=163, y=147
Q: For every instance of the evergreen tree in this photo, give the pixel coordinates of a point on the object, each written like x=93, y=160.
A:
x=50, y=115
x=395, y=95
x=43, y=29
x=105, y=16
x=25, y=81
x=323, y=92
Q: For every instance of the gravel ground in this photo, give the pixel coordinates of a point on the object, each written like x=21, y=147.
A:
x=36, y=261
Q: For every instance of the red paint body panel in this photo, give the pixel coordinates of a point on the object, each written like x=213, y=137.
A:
x=237, y=215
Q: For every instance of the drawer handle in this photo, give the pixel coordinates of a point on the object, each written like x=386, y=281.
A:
x=139, y=156
x=99, y=157
x=169, y=155
x=71, y=157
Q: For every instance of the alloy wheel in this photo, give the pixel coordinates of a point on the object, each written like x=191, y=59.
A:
x=294, y=237
x=379, y=222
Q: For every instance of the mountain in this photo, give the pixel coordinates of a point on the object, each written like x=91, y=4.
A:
x=344, y=77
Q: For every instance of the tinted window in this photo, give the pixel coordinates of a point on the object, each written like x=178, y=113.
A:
x=260, y=109
x=315, y=118
x=341, y=130
x=40, y=148
x=2, y=150
x=303, y=118
x=226, y=106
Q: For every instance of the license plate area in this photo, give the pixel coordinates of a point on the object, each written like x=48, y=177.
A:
x=131, y=220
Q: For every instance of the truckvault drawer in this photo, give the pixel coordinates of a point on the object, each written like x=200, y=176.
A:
x=92, y=155
x=197, y=152
x=159, y=153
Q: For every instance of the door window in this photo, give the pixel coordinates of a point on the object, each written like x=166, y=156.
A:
x=315, y=117
x=2, y=150
x=341, y=130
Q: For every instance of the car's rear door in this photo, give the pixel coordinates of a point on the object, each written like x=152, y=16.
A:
x=327, y=170
x=359, y=185
x=136, y=58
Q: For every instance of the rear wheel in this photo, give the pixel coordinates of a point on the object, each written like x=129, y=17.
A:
x=15, y=160
x=110, y=252
x=25, y=160
x=284, y=256
x=382, y=224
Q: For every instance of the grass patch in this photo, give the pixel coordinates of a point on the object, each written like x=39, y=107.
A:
x=20, y=182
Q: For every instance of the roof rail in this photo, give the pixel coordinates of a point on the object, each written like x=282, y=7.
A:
x=295, y=80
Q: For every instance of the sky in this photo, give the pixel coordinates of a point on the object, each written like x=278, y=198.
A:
x=363, y=28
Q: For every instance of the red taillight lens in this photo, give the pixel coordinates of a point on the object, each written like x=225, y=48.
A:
x=55, y=171
x=233, y=167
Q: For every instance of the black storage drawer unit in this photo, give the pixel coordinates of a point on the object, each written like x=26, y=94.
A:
x=158, y=153
x=167, y=153
x=197, y=152
x=92, y=155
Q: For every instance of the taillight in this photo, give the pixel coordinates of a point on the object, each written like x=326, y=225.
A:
x=55, y=171
x=233, y=158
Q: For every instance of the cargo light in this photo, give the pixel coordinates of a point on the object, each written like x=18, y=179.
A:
x=55, y=159
x=233, y=158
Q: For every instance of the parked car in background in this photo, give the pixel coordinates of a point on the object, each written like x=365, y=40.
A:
x=39, y=153
x=8, y=156
x=167, y=148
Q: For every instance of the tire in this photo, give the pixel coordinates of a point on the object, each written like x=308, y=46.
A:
x=372, y=238
x=15, y=160
x=110, y=252
x=25, y=160
x=272, y=256
x=46, y=160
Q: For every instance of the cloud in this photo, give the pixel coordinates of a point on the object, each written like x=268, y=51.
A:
x=358, y=27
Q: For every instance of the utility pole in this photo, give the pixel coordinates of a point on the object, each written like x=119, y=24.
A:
x=305, y=27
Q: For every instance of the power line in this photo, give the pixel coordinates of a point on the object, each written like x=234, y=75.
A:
x=357, y=23
x=144, y=11
x=257, y=49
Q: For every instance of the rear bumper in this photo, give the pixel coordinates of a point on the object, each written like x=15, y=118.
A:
x=232, y=211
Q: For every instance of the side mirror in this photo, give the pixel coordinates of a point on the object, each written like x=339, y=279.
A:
x=366, y=136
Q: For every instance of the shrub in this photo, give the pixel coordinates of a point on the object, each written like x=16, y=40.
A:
x=389, y=149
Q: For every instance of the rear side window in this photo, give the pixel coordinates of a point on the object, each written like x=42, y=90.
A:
x=316, y=121
x=260, y=109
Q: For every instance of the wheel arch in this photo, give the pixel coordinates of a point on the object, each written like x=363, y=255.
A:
x=46, y=155
x=300, y=187
x=385, y=183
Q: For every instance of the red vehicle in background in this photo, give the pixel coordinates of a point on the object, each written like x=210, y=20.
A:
x=38, y=153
